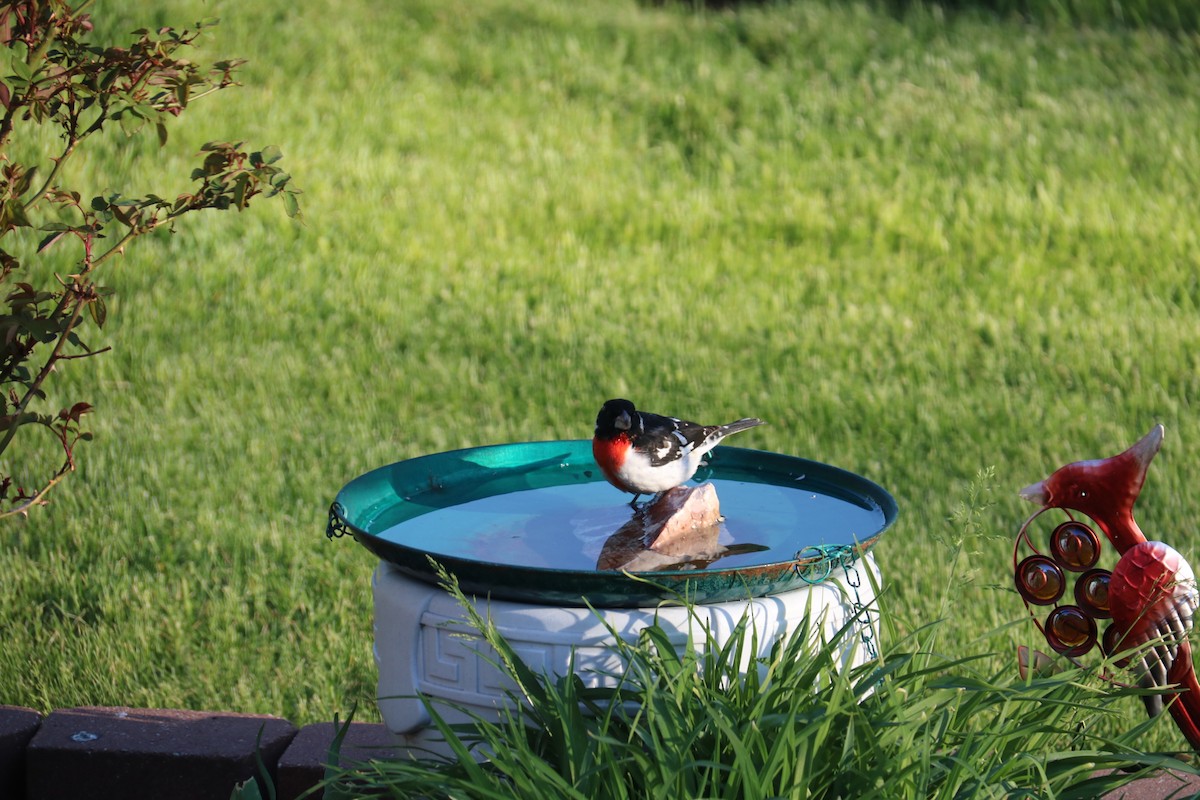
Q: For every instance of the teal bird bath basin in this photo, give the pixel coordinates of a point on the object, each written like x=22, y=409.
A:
x=529, y=522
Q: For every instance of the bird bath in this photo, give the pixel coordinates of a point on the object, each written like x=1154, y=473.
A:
x=525, y=528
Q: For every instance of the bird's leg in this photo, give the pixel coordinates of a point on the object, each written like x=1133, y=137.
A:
x=653, y=499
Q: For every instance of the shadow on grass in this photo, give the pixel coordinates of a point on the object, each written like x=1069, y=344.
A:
x=1168, y=16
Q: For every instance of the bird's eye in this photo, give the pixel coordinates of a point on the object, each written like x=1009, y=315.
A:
x=1083, y=493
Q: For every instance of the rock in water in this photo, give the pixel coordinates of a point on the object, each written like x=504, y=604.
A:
x=684, y=521
x=679, y=530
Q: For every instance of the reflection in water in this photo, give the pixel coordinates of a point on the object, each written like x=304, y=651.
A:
x=680, y=529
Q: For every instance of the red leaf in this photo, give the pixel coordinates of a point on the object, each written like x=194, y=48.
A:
x=76, y=411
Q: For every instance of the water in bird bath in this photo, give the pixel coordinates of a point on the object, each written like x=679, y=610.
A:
x=565, y=527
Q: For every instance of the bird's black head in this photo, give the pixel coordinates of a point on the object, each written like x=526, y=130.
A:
x=615, y=417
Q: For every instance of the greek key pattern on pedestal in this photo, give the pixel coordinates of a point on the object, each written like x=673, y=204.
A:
x=460, y=667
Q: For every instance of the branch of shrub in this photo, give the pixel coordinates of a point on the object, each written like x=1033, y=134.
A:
x=53, y=76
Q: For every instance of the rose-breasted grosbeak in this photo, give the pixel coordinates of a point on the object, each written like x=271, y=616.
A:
x=645, y=453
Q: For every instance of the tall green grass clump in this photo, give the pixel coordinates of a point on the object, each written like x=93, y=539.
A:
x=912, y=724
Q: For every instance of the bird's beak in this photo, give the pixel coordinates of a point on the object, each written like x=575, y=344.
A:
x=623, y=422
x=1035, y=493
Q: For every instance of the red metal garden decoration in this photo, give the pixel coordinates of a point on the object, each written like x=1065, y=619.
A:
x=1150, y=595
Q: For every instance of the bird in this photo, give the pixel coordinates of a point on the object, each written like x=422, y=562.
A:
x=1152, y=595
x=643, y=453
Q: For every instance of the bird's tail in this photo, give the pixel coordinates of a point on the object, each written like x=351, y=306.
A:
x=740, y=425
x=1185, y=706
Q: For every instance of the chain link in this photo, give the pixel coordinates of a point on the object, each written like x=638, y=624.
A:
x=819, y=563
x=861, y=612
x=337, y=526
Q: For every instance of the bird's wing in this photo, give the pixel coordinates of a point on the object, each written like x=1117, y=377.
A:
x=1153, y=598
x=1157, y=666
x=665, y=439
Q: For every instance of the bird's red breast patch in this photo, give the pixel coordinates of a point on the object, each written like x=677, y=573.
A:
x=610, y=453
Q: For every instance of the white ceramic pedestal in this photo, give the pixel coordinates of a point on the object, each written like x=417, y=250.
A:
x=423, y=645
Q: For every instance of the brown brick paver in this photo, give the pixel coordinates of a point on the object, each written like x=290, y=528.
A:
x=103, y=753
x=302, y=765
x=17, y=727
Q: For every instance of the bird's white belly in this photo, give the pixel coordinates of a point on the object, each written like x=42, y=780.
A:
x=637, y=472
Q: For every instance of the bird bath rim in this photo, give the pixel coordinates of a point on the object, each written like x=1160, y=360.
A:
x=426, y=484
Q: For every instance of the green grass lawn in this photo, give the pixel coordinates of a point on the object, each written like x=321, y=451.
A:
x=918, y=244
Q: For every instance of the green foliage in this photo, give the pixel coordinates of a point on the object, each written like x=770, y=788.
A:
x=52, y=77
x=686, y=723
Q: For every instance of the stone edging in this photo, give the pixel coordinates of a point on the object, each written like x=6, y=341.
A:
x=93, y=753
x=105, y=753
